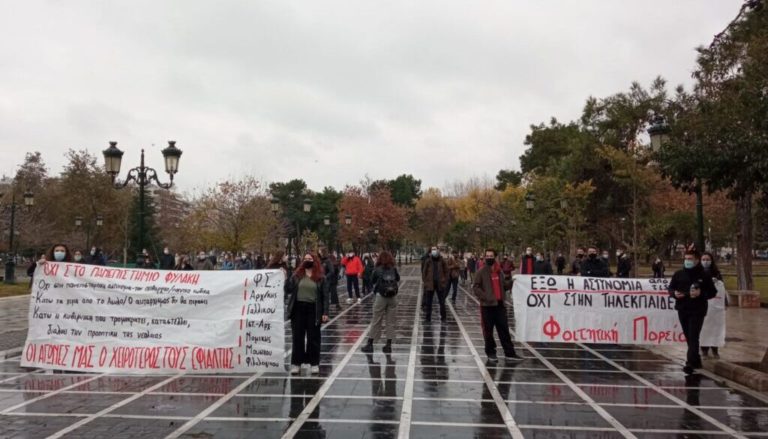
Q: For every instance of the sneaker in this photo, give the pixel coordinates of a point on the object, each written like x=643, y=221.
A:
x=368, y=348
x=349, y=300
x=513, y=357
x=493, y=358
x=314, y=370
x=295, y=369
x=688, y=370
x=359, y=301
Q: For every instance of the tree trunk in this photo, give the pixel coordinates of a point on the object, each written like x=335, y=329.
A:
x=744, y=242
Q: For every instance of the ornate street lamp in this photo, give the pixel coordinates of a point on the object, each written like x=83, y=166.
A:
x=658, y=132
x=307, y=205
x=327, y=220
x=99, y=221
x=78, y=221
x=274, y=204
x=142, y=175
x=29, y=199
x=530, y=201
x=348, y=219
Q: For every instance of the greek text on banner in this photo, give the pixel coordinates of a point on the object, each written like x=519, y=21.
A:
x=105, y=319
x=574, y=309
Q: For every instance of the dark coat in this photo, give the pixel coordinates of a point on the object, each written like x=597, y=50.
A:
x=322, y=300
x=427, y=274
x=331, y=273
x=542, y=267
x=594, y=268
x=524, y=261
x=483, y=288
x=167, y=262
x=624, y=266
x=682, y=281
x=378, y=272
x=560, y=263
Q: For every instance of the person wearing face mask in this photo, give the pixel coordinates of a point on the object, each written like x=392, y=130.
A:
x=243, y=262
x=308, y=304
x=353, y=270
x=658, y=268
x=576, y=264
x=606, y=258
x=58, y=253
x=77, y=257
x=489, y=286
x=95, y=257
x=167, y=260
x=710, y=269
x=202, y=262
x=560, y=263
x=691, y=288
x=527, y=261
x=594, y=266
x=183, y=264
x=623, y=264
x=434, y=277
x=507, y=266
x=541, y=266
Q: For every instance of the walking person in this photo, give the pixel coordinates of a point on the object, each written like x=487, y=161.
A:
x=434, y=277
x=710, y=269
x=454, y=271
x=691, y=288
x=462, y=269
x=353, y=270
x=471, y=267
x=330, y=268
x=560, y=263
x=489, y=286
x=368, y=274
x=527, y=261
x=386, y=283
x=308, y=309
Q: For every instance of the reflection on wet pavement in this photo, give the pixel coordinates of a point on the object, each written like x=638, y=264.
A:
x=450, y=393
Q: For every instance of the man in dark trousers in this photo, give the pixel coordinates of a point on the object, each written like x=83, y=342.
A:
x=560, y=263
x=489, y=286
x=434, y=275
x=527, y=262
x=594, y=266
x=623, y=264
x=691, y=288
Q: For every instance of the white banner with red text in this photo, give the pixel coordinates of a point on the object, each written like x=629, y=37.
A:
x=102, y=319
x=572, y=309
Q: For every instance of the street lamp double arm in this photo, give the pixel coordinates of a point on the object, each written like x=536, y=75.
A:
x=10, y=264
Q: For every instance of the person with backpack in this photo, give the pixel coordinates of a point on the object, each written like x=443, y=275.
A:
x=386, y=282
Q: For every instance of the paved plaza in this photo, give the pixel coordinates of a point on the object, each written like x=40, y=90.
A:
x=435, y=384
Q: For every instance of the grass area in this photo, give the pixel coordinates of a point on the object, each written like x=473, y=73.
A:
x=16, y=289
x=761, y=284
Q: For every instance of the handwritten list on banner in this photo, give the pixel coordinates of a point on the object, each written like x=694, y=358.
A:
x=573, y=309
x=104, y=319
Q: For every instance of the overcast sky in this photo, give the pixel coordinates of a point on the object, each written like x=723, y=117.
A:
x=325, y=90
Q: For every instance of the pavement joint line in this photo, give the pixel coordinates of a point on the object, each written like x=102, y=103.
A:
x=221, y=401
x=753, y=393
x=620, y=428
x=111, y=408
x=672, y=397
x=506, y=415
x=49, y=394
x=313, y=403
x=406, y=412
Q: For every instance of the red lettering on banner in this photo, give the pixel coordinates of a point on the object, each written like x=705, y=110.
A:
x=54, y=354
x=135, y=358
x=212, y=358
x=82, y=357
x=641, y=332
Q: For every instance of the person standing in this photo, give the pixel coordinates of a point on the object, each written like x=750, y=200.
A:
x=710, y=269
x=167, y=260
x=593, y=266
x=471, y=267
x=368, y=274
x=226, y=263
x=183, y=264
x=541, y=266
x=353, y=270
x=203, y=262
x=454, y=271
x=489, y=286
x=331, y=276
x=244, y=263
x=386, y=283
x=434, y=276
x=606, y=258
x=507, y=266
x=308, y=309
x=691, y=287
x=658, y=268
x=623, y=264
x=560, y=263
x=576, y=264
x=527, y=262
x=462, y=269
x=95, y=257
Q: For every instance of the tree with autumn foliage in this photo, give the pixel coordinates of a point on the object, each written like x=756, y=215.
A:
x=371, y=210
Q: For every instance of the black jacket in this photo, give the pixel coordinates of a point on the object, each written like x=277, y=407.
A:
x=542, y=267
x=322, y=300
x=682, y=281
x=624, y=267
x=331, y=275
x=594, y=268
x=167, y=262
x=378, y=272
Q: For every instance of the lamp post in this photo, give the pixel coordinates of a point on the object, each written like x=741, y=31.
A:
x=10, y=264
x=142, y=175
x=97, y=222
x=659, y=132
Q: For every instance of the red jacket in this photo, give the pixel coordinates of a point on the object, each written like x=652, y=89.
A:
x=352, y=266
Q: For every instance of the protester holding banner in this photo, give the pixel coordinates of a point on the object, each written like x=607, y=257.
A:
x=58, y=253
x=710, y=268
x=593, y=266
x=489, y=286
x=308, y=304
x=692, y=288
x=386, y=282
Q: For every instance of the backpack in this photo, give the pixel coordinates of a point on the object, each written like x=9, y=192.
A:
x=387, y=285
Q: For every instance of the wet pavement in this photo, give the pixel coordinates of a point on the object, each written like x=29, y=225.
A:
x=435, y=384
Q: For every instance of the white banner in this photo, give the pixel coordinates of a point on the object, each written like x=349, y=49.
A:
x=574, y=309
x=92, y=318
